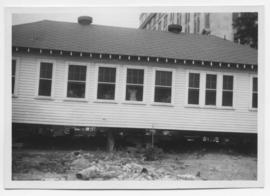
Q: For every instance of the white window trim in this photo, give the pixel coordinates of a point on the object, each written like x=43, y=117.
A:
x=16, y=82
x=125, y=85
x=37, y=96
x=116, y=92
x=154, y=85
x=202, y=91
x=86, y=97
x=251, y=92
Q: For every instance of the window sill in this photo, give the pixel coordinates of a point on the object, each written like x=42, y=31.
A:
x=162, y=104
x=14, y=96
x=43, y=98
x=192, y=106
x=209, y=107
x=105, y=101
x=134, y=103
x=253, y=109
x=76, y=99
x=225, y=108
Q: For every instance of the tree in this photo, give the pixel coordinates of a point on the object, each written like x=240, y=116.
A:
x=246, y=28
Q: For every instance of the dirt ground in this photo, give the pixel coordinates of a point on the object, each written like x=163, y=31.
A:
x=124, y=165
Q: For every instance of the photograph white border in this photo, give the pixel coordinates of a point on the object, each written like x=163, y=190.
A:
x=9, y=184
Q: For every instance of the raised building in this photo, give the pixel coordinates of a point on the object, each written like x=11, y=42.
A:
x=218, y=24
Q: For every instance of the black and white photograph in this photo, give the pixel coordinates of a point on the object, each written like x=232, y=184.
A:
x=120, y=95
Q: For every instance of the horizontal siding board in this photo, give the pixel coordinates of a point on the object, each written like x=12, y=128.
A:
x=27, y=109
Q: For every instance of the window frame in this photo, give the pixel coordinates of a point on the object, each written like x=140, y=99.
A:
x=16, y=81
x=205, y=89
x=187, y=89
x=251, y=92
x=38, y=79
x=116, y=91
x=76, y=63
x=155, y=69
x=125, y=85
x=233, y=91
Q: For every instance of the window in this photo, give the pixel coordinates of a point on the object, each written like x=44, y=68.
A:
x=165, y=22
x=227, y=91
x=254, y=92
x=45, y=79
x=76, y=81
x=163, y=87
x=172, y=18
x=179, y=18
x=211, y=88
x=194, y=88
x=159, y=26
x=106, y=83
x=134, y=88
x=13, y=75
x=207, y=21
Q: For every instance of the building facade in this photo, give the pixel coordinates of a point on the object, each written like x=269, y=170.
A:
x=218, y=24
x=72, y=74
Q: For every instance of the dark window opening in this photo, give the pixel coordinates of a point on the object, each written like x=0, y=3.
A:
x=163, y=87
x=45, y=79
x=76, y=81
x=254, y=92
x=134, y=88
x=106, y=83
x=13, y=75
x=210, y=93
x=227, y=93
x=194, y=88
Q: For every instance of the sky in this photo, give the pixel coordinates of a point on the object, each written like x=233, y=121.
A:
x=102, y=16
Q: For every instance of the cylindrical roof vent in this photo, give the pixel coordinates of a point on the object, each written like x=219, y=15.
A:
x=85, y=20
x=175, y=28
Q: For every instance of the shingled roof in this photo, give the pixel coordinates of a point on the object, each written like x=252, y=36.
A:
x=75, y=37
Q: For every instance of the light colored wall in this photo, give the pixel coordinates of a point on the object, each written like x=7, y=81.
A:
x=58, y=111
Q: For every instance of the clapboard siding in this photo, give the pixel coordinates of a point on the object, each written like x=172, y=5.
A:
x=26, y=108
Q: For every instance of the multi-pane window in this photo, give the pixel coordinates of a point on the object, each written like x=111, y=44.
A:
x=76, y=81
x=172, y=18
x=45, y=79
x=106, y=83
x=254, y=92
x=193, y=88
x=163, y=87
x=134, y=88
x=159, y=26
x=179, y=18
x=211, y=89
x=227, y=91
x=13, y=74
x=207, y=21
x=165, y=22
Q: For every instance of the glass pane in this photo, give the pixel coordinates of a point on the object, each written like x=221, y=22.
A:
x=106, y=91
x=228, y=82
x=194, y=80
x=211, y=81
x=255, y=84
x=13, y=83
x=134, y=93
x=193, y=96
x=46, y=70
x=76, y=89
x=135, y=76
x=77, y=72
x=106, y=74
x=210, y=97
x=44, y=87
x=254, y=100
x=13, y=67
x=227, y=98
x=164, y=78
x=163, y=94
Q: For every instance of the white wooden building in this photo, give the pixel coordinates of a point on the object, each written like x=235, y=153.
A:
x=81, y=74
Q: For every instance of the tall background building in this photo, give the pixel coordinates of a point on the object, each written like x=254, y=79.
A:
x=218, y=24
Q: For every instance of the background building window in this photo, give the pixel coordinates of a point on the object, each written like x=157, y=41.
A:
x=106, y=83
x=172, y=18
x=227, y=92
x=193, y=88
x=211, y=88
x=134, y=88
x=76, y=81
x=207, y=21
x=13, y=74
x=179, y=18
x=163, y=86
x=254, y=92
x=45, y=79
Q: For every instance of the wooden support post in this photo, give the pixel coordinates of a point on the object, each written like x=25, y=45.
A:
x=110, y=140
